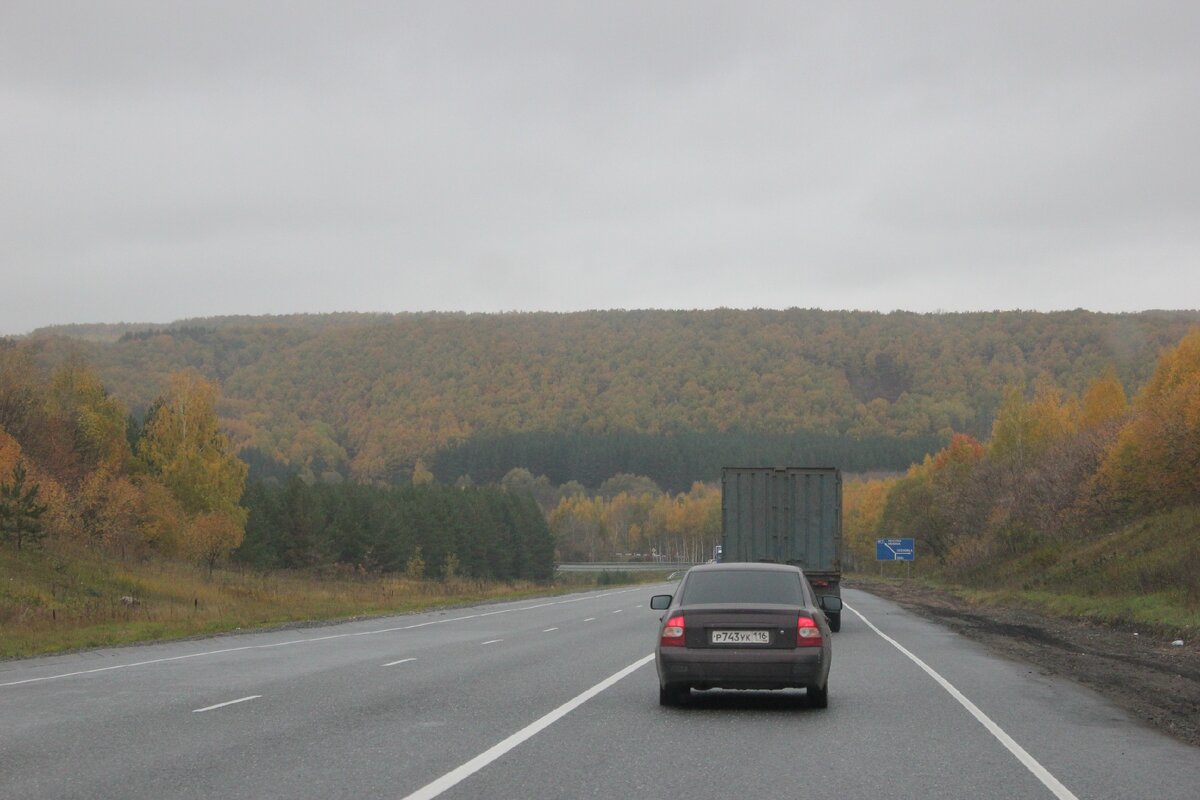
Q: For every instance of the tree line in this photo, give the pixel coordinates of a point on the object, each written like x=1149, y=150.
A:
x=78, y=468
x=638, y=523
x=425, y=531
x=674, y=462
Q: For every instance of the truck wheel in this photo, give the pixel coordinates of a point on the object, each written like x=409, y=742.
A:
x=835, y=621
x=672, y=695
x=818, y=698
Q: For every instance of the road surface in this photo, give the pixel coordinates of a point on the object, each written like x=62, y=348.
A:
x=556, y=698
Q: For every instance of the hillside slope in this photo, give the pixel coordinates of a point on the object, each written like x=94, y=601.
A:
x=367, y=396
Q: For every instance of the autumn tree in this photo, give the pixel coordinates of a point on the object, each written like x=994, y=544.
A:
x=863, y=502
x=212, y=536
x=579, y=528
x=162, y=522
x=77, y=396
x=183, y=446
x=10, y=451
x=421, y=475
x=626, y=483
x=1024, y=429
x=1155, y=462
x=18, y=388
x=941, y=501
x=109, y=509
x=1104, y=401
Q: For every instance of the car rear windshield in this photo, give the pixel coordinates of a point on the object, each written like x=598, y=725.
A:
x=744, y=586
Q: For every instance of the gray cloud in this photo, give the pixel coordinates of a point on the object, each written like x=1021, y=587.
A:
x=166, y=160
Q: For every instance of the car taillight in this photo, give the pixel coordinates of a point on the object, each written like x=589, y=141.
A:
x=807, y=632
x=672, y=632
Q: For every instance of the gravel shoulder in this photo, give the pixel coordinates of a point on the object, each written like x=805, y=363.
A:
x=1144, y=674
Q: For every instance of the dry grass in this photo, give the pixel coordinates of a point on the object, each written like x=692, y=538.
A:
x=53, y=600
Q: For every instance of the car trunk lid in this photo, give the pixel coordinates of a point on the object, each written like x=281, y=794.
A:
x=715, y=626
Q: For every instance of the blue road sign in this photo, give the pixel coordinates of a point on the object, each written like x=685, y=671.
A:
x=895, y=550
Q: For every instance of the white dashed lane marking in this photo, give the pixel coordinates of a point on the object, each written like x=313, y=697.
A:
x=227, y=703
x=292, y=642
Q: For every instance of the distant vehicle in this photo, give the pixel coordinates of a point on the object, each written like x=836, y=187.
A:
x=786, y=515
x=744, y=626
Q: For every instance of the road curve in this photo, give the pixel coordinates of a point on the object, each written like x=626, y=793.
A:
x=554, y=698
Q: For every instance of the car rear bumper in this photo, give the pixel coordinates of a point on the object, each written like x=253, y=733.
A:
x=711, y=668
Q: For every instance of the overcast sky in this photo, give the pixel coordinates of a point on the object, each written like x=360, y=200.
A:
x=162, y=160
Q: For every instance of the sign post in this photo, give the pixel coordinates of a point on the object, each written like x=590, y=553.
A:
x=895, y=550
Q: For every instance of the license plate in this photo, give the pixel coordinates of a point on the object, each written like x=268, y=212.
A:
x=740, y=637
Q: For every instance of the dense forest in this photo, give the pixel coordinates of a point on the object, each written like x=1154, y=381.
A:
x=671, y=394
x=1086, y=491
x=423, y=531
x=1062, y=456
x=76, y=468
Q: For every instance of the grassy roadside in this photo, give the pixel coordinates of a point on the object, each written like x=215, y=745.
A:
x=1146, y=574
x=54, y=601
x=1160, y=613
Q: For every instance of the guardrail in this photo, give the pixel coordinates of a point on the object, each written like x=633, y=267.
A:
x=624, y=566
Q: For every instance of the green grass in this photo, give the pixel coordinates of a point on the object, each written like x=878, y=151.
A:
x=53, y=600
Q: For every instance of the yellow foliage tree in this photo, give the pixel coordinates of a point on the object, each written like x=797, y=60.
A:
x=161, y=520
x=1024, y=430
x=183, y=445
x=10, y=452
x=1155, y=462
x=109, y=506
x=77, y=394
x=421, y=475
x=187, y=452
x=863, y=502
x=1104, y=401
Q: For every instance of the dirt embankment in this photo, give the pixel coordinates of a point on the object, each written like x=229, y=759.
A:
x=1157, y=682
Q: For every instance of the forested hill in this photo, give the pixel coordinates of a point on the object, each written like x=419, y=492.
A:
x=369, y=395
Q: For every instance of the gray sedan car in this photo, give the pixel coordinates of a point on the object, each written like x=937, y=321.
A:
x=744, y=626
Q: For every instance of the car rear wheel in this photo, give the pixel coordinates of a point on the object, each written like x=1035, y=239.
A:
x=835, y=621
x=672, y=694
x=818, y=697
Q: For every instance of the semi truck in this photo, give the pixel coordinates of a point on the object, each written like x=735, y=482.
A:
x=786, y=515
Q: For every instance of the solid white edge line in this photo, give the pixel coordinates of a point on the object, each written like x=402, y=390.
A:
x=1031, y=763
x=457, y=775
x=229, y=703
x=310, y=640
x=401, y=661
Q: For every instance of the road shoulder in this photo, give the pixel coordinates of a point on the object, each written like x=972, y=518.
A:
x=1147, y=676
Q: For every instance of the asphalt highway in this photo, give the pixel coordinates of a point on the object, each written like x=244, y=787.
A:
x=557, y=698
